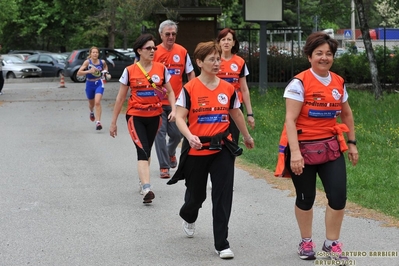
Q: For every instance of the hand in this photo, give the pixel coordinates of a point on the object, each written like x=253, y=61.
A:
x=251, y=121
x=353, y=155
x=113, y=132
x=172, y=116
x=249, y=142
x=93, y=70
x=195, y=142
x=297, y=163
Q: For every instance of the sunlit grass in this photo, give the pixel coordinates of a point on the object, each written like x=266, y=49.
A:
x=374, y=182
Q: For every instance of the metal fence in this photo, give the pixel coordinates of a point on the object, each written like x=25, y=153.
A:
x=282, y=49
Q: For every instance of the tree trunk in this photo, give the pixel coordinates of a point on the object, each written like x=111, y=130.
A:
x=364, y=27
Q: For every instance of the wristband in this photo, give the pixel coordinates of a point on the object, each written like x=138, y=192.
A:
x=250, y=115
x=351, y=142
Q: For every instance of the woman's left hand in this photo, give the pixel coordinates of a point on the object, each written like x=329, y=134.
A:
x=353, y=155
x=251, y=121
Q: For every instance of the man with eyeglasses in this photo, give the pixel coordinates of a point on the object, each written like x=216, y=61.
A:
x=177, y=60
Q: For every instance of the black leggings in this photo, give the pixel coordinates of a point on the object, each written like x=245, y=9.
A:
x=143, y=131
x=1, y=81
x=333, y=177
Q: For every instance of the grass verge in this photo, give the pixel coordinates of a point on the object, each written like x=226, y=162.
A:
x=374, y=182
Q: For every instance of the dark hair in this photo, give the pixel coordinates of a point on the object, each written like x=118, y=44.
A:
x=140, y=41
x=318, y=38
x=223, y=33
x=205, y=48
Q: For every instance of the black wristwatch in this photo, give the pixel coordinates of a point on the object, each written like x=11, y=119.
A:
x=351, y=142
x=250, y=115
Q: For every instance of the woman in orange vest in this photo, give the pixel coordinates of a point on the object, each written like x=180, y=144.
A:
x=233, y=69
x=145, y=79
x=315, y=98
x=204, y=110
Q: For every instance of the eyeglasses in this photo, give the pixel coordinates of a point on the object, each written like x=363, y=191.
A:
x=149, y=48
x=213, y=60
x=167, y=34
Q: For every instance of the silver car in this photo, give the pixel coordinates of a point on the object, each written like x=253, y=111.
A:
x=14, y=67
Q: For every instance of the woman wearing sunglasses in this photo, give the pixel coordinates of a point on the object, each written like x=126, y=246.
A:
x=146, y=80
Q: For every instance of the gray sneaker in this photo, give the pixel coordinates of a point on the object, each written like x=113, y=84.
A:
x=189, y=229
x=334, y=251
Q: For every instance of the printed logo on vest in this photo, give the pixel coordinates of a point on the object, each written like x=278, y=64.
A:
x=335, y=93
x=176, y=58
x=234, y=67
x=222, y=98
x=155, y=78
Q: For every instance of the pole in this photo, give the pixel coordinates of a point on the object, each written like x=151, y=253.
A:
x=263, y=58
x=299, y=29
x=353, y=27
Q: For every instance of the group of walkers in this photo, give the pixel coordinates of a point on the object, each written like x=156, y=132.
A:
x=207, y=112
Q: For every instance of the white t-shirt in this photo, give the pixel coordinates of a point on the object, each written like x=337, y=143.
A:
x=295, y=89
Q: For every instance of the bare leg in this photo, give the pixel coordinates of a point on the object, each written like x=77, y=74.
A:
x=304, y=219
x=91, y=105
x=97, y=101
x=144, y=171
x=333, y=220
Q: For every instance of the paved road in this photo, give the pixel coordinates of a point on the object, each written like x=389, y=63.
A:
x=69, y=196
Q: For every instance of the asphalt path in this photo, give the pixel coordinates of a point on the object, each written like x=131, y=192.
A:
x=69, y=196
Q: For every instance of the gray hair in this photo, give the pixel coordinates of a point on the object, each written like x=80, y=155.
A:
x=167, y=23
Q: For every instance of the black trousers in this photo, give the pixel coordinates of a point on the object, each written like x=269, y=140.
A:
x=221, y=169
x=1, y=81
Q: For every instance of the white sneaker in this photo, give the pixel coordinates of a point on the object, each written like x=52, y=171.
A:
x=225, y=253
x=189, y=229
x=148, y=195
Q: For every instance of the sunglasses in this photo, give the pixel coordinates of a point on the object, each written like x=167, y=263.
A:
x=149, y=48
x=167, y=34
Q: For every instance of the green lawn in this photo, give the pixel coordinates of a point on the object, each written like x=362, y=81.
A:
x=374, y=182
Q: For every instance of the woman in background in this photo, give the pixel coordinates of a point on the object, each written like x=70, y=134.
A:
x=144, y=108
x=234, y=70
x=93, y=68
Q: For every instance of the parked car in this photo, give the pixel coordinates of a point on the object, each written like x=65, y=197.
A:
x=14, y=67
x=65, y=54
x=52, y=64
x=27, y=52
x=21, y=56
x=77, y=57
x=131, y=54
x=340, y=52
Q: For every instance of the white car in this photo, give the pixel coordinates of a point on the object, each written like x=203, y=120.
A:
x=14, y=67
